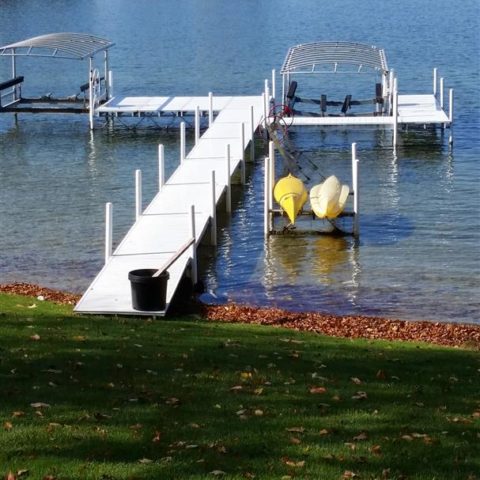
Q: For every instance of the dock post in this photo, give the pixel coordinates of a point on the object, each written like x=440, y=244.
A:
x=441, y=93
x=213, y=223
x=356, y=200
x=194, y=246
x=265, y=112
x=273, y=86
x=138, y=194
x=210, y=108
x=110, y=85
x=271, y=171
x=229, y=179
x=161, y=167
x=267, y=98
x=435, y=70
x=182, y=142
x=242, y=160
x=390, y=88
x=395, y=114
x=108, y=230
x=197, y=124
x=266, y=210
x=252, y=132
x=450, y=114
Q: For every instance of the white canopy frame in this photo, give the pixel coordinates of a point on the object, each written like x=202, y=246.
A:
x=333, y=58
x=70, y=46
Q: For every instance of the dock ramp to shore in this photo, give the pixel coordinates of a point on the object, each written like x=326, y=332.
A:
x=166, y=224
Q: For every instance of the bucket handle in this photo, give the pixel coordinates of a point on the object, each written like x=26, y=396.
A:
x=174, y=258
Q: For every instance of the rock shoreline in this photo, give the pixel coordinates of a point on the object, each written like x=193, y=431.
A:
x=375, y=328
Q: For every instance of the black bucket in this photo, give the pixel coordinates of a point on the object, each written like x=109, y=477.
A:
x=148, y=293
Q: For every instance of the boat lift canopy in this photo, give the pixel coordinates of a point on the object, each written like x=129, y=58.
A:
x=315, y=57
x=75, y=46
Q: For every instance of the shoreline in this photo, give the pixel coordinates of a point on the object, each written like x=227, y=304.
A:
x=465, y=335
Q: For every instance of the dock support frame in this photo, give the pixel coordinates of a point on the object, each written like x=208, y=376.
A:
x=108, y=230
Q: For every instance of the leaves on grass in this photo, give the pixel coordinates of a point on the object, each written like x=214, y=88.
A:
x=217, y=473
x=296, y=430
x=18, y=413
x=35, y=337
x=39, y=405
x=356, y=380
x=317, y=390
x=360, y=396
x=8, y=426
x=361, y=436
x=293, y=463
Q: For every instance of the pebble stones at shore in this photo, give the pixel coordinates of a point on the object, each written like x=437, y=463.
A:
x=448, y=334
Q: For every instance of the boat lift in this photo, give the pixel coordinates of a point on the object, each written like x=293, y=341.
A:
x=270, y=212
x=70, y=46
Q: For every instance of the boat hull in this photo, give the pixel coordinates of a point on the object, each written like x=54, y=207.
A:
x=291, y=195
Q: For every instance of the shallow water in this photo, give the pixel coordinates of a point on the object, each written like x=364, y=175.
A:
x=418, y=256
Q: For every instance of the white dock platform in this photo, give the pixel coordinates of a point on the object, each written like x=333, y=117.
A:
x=412, y=109
x=165, y=225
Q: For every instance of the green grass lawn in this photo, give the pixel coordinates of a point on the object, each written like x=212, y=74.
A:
x=116, y=398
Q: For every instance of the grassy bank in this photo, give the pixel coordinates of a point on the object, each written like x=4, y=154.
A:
x=107, y=398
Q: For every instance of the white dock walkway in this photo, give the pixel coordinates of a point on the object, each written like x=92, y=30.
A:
x=165, y=225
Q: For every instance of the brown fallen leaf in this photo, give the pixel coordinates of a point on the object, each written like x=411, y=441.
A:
x=296, y=430
x=295, y=440
x=381, y=375
x=8, y=426
x=376, y=449
x=324, y=431
x=294, y=464
x=39, y=405
x=156, y=437
x=18, y=413
x=217, y=473
x=236, y=388
x=10, y=476
x=317, y=390
x=361, y=436
x=145, y=461
x=360, y=396
x=356, y=380
x=349, y=474
x=35, y=337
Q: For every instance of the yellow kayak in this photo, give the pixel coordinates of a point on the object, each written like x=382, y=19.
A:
x=291, y=195
x=328, y=198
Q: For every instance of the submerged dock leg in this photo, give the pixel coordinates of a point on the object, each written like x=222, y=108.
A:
x=450, y=115
x=252, y=132
x=242, y=147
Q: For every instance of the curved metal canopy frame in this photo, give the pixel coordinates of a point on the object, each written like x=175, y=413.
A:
x=75, y=46
x=311, y=57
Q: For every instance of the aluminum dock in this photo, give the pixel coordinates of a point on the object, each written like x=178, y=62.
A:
x=201, y=180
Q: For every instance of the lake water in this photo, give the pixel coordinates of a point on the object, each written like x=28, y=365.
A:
x=419, y=250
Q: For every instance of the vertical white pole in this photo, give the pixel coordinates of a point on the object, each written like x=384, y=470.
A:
x=90, y=95
x=283, y=89
x=138, y=193
x=274, y=85
x=161, y=167
x=242, y=147
x=213, y=224
x=252, y=132
x=197, y=124
x=229, y=179
x=395, y=113
x=194, y=245
x=210, y=108
x=355, y=190
x=450, y=105
x=441, y=93
x=267, y=98
x=110, y=84
x=391, y=89
x=450, y=114
x=435, y=81
x=265, y=135
x=271, y=172
x=182, y=142
x=266, y=210
x=108, y=231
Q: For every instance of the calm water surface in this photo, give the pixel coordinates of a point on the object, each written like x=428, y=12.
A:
x=418, y=255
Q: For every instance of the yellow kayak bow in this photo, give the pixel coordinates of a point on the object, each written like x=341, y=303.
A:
x=291, y=195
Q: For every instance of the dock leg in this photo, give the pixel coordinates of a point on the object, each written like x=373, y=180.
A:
x=266, y=210
x=242, y=146
x=213, y=223
x=271, y=172
x=161, y=167
x=108, y=231
x=182, y=142
x=356, y=199
x=138, y=194
x=210, y=109
x=197, y=124
x=229, y=180
x=194, y=246
x=450, y=115
x=252, y=132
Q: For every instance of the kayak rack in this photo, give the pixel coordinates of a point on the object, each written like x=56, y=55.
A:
x=270, y=212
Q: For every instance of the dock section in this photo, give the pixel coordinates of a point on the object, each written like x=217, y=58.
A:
x=166, y=224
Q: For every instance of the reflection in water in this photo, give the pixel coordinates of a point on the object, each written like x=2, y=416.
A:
x=305, y=259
